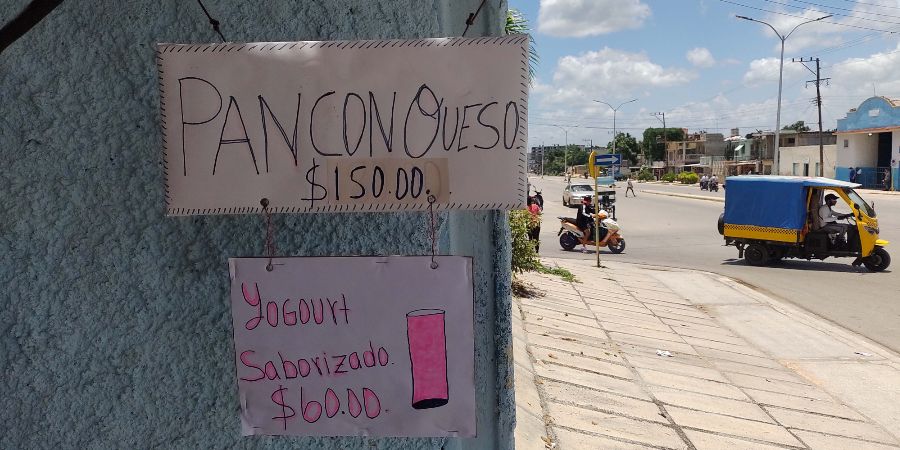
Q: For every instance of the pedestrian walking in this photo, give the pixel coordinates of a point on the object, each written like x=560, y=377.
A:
x=534, y=227
x=629, y=187
x=852, y=175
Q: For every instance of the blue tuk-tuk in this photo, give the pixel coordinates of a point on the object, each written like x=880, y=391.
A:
x=773, y=217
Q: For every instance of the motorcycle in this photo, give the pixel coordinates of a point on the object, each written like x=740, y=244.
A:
x=570, y=236
x=704, y=185
x=713, y=186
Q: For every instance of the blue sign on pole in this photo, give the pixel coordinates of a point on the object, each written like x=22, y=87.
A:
x=613, y=159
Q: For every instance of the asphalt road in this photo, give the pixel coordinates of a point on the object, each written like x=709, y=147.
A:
x=679, y=232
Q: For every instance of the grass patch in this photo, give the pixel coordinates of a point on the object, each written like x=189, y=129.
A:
x=558, y=271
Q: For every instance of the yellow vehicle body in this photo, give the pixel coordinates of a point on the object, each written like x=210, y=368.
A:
x=772, y=217
x=763, y=233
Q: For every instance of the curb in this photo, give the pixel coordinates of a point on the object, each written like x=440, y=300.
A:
x=787, y=307
x=695, y=197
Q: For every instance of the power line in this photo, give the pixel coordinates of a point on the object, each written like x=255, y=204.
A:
x=853, y=43
x=877, y=5
x=842, y=9
x=801, y=17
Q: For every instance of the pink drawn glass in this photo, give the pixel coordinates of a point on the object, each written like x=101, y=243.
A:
x=428, y=357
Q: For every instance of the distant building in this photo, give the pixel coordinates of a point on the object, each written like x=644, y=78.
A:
x=535, y=159
x=868, y=138
x=693, y=154
x=800, y=153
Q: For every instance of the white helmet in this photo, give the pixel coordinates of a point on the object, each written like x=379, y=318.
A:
x=603, y=214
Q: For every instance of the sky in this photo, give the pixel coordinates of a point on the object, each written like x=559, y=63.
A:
x=700, y=65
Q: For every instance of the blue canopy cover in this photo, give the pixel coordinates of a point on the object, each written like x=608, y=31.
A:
x=771, y=201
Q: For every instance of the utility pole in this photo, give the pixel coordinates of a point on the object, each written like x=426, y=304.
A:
x=818, y=81
x=665, y=137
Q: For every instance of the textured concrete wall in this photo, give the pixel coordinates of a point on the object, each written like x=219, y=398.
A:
x=115, y=325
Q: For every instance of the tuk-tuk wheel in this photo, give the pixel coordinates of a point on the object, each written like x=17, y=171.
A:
x=878, y=260
x=756, y=254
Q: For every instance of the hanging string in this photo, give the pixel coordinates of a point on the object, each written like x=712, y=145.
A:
x=269, y=246
x=471, y=19
x=34, y=12
x=431, y=200
x=213, y=22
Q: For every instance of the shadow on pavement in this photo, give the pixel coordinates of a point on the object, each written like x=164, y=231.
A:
x=589, y=251
x=817, y=266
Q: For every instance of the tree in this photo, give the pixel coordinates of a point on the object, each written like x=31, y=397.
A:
x=797, y=126
x=653, y=140
x=627, y=145
x=516, y=23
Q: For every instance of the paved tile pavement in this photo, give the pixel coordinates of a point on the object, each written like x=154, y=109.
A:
x=589, y=376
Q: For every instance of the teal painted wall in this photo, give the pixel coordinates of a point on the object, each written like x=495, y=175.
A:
x=115, y=329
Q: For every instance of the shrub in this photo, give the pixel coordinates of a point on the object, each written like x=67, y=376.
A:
x=670, y=177
x=688, y=178
x=524, y=256
x=645, y=174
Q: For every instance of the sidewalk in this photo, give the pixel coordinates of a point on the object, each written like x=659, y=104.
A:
x=745, y=372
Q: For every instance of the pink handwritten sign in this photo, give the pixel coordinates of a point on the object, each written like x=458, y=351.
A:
x=354, y=346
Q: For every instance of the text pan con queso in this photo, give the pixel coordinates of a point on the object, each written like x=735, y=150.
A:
x=345, y=125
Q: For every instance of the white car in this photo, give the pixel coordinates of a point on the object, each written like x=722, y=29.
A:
x=573, y=194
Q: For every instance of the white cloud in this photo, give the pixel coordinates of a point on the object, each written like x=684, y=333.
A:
x=611, y=74
x=580, y=18
x=856, y=76
x=608, y=74
x=766, y=70
x=701, y=57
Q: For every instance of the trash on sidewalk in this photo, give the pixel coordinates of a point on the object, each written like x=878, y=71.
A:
x=864, y=353
x=664, y=353
x=548, y=443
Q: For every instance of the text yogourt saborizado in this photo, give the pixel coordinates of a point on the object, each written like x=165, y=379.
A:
x=295, y=402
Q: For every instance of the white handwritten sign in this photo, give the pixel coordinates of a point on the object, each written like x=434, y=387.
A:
x=344, y=125
x=355, y=346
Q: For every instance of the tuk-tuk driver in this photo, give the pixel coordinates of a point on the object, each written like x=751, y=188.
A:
x=830, y=218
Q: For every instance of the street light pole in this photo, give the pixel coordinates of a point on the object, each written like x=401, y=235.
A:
x=665, y=136
x=615, y=109
x=780, y=79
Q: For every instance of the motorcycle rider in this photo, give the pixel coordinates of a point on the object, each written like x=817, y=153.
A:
x=607, y=227
x=584, y=219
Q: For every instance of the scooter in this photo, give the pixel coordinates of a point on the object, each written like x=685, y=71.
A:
x=570, y=236
x=713, y=186
x=704, y=185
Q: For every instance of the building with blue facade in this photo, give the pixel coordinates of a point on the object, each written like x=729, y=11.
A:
x=868, y=139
